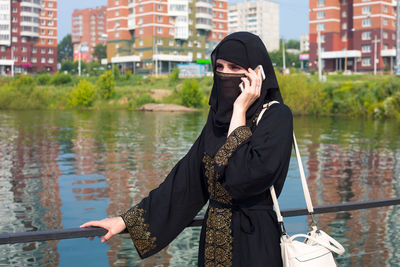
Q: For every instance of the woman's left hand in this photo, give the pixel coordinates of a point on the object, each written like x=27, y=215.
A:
x=252, y=90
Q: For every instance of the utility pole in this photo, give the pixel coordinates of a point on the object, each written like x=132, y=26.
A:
x=12, y=58
x=398, y=39
x=283, y=55
x=375, y=41
x=79, y=62
x=319, y=56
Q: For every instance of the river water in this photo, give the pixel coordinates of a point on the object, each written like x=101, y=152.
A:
x=59, y=169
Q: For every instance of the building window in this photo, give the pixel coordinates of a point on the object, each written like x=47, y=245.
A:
x=141, y=53
x=34, y=50
x=221, y=15
x=221, y=4
x=140, y=22
x=385, y=9
x=159, y=42
x=321, y=27
x=171, y=43
x=366, y=22
x=321, y=2
x=23, y=39
x=117, y=13
x=385, y=47
x=141, y=42
x=344, y=26
x=141, y=31
x=34, y=60
x=117, y=34
x=385, y=35
x=51, y=60
x=221, y=35
x=43, y=60
x=159, y=18
x=116, y=2
x=171, y=31
x=3, y=48
x=14, y=10
x=366, y=62
x=385, y=22
x=344, y=38
x=14, y=39
x=322, y=38
x=344, y=2
x=14, y=19
x=366, y=36
x=366, y=10
x=320, y=15
x=221, y=25
x=14, y=29
x=159, y=30
x=140, y=8
x=50, y=50
x=50, y=41
x=43, y=51
x=24, y=49
x=366, y=48
x=344, y=14
x=24, y=59
x=198, y=55
x=190, y=44
x=159, y=7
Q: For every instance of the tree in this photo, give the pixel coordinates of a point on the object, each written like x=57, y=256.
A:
x=292, y=44
x=65, y=49
x=100, y=51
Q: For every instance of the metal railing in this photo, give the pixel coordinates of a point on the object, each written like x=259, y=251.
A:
x=36, y=236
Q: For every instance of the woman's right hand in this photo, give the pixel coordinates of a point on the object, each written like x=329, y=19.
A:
x=113, y=225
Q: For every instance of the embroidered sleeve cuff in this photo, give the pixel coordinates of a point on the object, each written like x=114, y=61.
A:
x=234, y=140
x=139, y=231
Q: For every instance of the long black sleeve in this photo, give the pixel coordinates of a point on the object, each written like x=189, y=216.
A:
x=168, y=209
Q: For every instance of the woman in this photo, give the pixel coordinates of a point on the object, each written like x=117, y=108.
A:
x=232, y=164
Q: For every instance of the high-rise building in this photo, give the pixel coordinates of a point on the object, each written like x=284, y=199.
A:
x=356, y=35
x=88, y=30
x=253, y=17
x=28, y=36
x=153, y=37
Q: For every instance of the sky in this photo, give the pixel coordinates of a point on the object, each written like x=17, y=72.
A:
x=293, y=16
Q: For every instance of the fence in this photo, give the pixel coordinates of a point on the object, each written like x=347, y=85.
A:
x=35, y=236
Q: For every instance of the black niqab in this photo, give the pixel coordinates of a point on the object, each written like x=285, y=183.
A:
x=248, y=51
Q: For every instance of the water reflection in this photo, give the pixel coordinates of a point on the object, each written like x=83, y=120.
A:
x=59, y=169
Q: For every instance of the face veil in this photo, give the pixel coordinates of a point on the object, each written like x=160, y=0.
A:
x=248, y=51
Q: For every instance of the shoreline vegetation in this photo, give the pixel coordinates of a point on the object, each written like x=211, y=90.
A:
x=359, y=95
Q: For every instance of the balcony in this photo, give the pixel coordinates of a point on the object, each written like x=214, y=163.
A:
x=203, y=24
x=29, y=3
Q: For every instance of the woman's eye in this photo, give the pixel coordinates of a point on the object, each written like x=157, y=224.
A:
x=219, y=67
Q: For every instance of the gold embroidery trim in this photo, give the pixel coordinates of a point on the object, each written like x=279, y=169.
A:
x=235, y=139
x=138, y=230
x=215, y=189
x=218, y=243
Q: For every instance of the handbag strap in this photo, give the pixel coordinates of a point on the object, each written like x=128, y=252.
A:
x=306, y=192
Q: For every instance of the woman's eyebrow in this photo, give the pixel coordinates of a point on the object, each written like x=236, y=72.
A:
x=233, y=65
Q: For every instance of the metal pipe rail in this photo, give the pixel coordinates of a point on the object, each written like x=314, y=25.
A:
x=36, y=236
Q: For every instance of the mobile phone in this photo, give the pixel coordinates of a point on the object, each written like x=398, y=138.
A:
x=259, y=67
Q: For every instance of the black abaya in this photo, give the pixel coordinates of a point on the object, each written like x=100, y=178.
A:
x=234, y=174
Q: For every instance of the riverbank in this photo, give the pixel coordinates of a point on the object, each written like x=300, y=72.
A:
x=344, y=95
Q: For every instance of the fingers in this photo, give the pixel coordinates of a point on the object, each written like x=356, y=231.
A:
x=91, y=223
x=107, y=236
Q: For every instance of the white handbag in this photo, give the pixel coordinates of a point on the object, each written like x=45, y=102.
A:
x=317, y=247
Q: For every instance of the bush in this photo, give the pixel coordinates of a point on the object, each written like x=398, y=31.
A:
x=60, y=78
x=43, y=79
x=174, y=76
x=83, y=94
x=106, y=85
x=190, y=94
x=141, y=100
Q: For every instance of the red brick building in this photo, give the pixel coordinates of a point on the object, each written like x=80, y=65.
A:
x=28, y=36
x=356, y=35
x=153, y=37
x=88, y=30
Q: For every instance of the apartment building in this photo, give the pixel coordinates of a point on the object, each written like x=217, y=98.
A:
x=28, y=36
x=356, y=35
x=88, y=30
x=153, y=37
x=253, y=16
